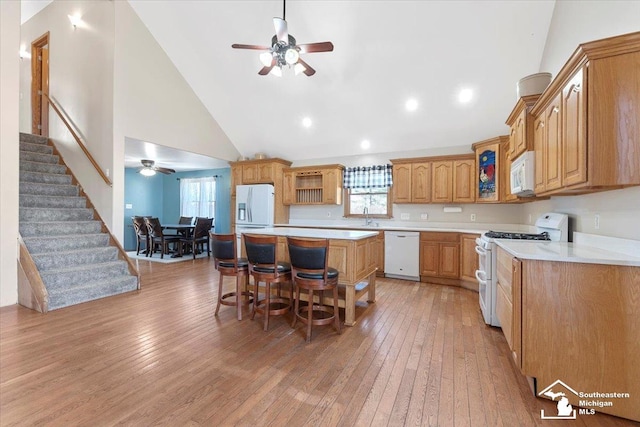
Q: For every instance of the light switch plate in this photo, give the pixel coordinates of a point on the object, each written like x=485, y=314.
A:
x=128, y=206
x=405, y=216
x=424, y=216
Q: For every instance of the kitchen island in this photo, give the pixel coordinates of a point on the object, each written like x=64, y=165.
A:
x=351, y=252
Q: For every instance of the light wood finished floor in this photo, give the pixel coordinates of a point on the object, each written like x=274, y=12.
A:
x=420, y=356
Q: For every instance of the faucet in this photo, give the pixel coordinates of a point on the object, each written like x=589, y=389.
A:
x=367, y=220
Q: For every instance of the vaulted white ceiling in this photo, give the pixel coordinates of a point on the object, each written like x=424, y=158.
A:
x=385, y=52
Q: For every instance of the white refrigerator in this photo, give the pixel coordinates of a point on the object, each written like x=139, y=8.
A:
x=254, y=209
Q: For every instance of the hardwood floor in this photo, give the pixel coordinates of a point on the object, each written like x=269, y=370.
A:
x=421, y=355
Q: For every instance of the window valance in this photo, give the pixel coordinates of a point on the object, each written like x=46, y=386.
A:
x=377, y=176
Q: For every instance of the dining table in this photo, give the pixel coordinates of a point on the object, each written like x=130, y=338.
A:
x=187, y=228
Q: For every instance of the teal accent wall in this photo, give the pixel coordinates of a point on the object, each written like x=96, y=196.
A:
x=145, y=195
x=159, y=196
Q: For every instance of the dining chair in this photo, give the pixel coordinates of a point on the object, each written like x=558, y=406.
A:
x=311, y=272
x=184, y=220
x=158, y=238
x=262, y=254
x=229, y=264
x=198, y=239
x=142, y=233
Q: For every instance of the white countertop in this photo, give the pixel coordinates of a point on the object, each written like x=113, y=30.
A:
x=383, y=227
x=566, y=252
x=315, y=233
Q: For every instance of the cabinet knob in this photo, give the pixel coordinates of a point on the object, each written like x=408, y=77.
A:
x=576, y=88
x=555, y=109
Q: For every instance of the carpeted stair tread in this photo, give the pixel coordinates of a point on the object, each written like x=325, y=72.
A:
x=28, y=166
x=44, y=244
x=28, y=214
x=45, y=178
x=36, y=148
x=48, y=189
x=33, y=139
x=61, y=278
x=39, y=157
x=91, y=291
x=73, y=255
x=39, y=201
x=59, y=228
x=62, y=259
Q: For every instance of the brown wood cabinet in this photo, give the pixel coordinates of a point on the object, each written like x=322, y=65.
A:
x=443, y=179
x=520, y=123
x=439, y=256
x=379, y=254
x=489, y=180
x=263, y=171
x=468, y=260
x=315, y=185
x=587, y=122
x=509, y=302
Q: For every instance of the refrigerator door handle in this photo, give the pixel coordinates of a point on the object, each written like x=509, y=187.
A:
x=249, y=201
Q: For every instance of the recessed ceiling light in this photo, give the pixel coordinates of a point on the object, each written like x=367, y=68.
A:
x=465, y=95
x=411, y=104
x=365, y=144
x=306, y=122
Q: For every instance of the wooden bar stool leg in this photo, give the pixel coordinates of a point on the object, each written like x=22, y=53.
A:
x=256, y=294
x=296, y=309
x=238, y=296
x=336, y=310
x=219, y=293
x=310, y=315
x=267, y=304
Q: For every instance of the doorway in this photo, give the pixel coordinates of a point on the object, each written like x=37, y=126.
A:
x=40, y=85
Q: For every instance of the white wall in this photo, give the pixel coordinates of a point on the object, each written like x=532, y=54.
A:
x=153, y=102
x=576, y=22
x=9, y=119
x=81, y=80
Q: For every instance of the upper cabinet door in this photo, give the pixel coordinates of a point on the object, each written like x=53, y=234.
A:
x=464, y=174
x=574, y=148
x=553, y=152
x=402, y=183
x=421, y=183
x=442, y=173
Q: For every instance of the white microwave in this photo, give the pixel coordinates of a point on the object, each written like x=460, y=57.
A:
x=523, y=175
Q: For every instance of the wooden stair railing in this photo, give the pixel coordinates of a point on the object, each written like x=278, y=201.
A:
x=97, y=167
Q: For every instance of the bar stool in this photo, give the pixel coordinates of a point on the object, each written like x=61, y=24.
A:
x=228, y=264
x=310, y=271
x=262, y=253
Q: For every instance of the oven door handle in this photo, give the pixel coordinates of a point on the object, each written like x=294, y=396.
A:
x=480, y=279
x=481, y=251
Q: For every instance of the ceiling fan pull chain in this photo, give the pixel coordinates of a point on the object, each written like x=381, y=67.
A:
x=284, y=10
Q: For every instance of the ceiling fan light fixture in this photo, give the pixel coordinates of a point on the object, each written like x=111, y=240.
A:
x=299, y=68
x=291, y=56
x=266, y=58
x=276, y=71
x=147, y=172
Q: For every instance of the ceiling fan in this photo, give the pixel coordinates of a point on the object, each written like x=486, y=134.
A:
x=148, y=168
x=284, y=50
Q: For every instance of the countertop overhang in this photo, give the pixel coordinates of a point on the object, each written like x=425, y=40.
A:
x=316, y=233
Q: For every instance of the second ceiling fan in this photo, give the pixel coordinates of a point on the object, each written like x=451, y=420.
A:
x=284, y=50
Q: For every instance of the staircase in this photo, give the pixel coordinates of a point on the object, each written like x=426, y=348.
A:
x=74, y=255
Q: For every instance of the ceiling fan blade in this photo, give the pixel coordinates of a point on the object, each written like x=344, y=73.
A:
x=281, y=29
x=316, y=47
x=266, y=70
x=249, y=46
x=308, y=70
x=165, y=171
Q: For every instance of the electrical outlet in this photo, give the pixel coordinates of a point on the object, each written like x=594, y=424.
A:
x=473, y=217
x=328, y=214
x=596, y=223
x=128, y=206
x=530, y=218
x=424, y=216
x=405, y=216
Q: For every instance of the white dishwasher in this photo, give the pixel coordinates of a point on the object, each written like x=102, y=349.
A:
x=402, y=255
